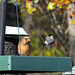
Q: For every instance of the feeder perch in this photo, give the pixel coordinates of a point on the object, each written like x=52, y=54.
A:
x=33, y=64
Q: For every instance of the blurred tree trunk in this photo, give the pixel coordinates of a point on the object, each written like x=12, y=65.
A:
x=71, y=28
x=27, y=25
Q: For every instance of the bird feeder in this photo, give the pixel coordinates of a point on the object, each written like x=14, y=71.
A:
x=11, y=39
x=16, y=64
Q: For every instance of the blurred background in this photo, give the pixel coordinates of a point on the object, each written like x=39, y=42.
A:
x=56, y=17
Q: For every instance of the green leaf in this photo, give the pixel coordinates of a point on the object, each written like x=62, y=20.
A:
x=59, y=52
x=23, y=9
x=51, y=6
x=48, y=7
x=54, y=6
x=36, y=1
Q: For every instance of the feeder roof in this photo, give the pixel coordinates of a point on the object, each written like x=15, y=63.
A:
x=10, y=30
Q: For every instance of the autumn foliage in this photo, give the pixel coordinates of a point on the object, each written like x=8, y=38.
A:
x=29, y=4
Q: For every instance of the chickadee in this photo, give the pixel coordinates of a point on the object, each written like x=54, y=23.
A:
x=49, y=40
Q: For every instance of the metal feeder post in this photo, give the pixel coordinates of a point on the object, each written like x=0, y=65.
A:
x=2, y=25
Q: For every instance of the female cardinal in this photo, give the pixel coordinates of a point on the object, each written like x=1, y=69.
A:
x=24, y=47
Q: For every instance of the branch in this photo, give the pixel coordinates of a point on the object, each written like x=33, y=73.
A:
x=39, y=7
x=46, y=2
x=54, y=17
x=60, y=39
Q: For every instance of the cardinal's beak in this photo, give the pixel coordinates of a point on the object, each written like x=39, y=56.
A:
x=28, y=40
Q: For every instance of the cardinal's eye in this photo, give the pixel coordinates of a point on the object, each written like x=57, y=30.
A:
x=27, y=39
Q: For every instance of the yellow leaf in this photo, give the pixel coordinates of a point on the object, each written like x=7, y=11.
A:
x=18, y=0
x=51, y=6
x=31, y=10
x=73, y=22
x=28, y=5
x=66, y=1
x=67, y=7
